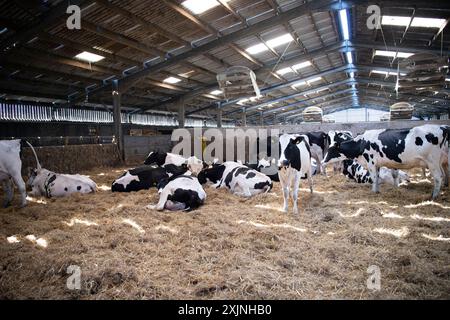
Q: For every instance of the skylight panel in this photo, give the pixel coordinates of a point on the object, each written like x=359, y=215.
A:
x=89, y=57
x=200, y=6
x=301, y=65
x=171, y=80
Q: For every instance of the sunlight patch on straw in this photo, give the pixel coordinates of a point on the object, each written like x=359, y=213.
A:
x=436, y=219
x=438, y=238
x=74, y=221
x=317, y=191
x=398, y=233
x=267, y=207
x=272, y=225
x=391, y=215
x=352, y=215
x=104, y=187
x=134, y=225
x=12, y=239
x=40, y=201
x=166, y=228
x=426, y=203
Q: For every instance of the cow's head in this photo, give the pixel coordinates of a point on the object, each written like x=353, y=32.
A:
x=290, y=152
x=195, y=165
x=156, y=157
x=32, y=174
x=351, y=149
x=263, y=163
x=334, y=137
x=212, y=174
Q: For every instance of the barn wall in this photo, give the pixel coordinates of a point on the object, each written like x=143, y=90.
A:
x=138, y=147
x=71, y=159
x=355, y=128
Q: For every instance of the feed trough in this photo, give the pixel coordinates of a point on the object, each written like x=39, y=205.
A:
x=401, y=111
x=312, y=114
x=238, y=82
x=422, y=72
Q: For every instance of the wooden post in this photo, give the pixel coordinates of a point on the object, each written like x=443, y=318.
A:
x=117, y=118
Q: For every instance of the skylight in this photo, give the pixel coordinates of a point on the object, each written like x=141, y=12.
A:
x=428, y=22
x=285, y=70
x=387, y=73
x=298, y=84
x=272, y=43
x=343, y=18
x=200, y=6
x=171, y=80
x=392, y=54
x=301, y=65
x=89, y=57
x=314, y=80
x=216, y=92
x=294, y=68
x=416, y=22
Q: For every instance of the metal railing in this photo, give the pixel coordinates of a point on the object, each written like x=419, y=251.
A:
x=64, y=141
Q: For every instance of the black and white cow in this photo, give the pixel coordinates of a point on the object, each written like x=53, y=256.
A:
x=194, y=164
x=10, y=170
x=238, y=178
x=146, y=177
x=318, y=143
x=355, y=171
x=338, y=136
x=47, y=183
x=180, y=193
x=421, y=146
x=261, y=166
x=294, y=162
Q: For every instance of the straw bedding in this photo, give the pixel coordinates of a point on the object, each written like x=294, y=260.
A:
x=231, y=248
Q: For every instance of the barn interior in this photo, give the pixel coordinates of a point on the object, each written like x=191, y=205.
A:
x=95, y=85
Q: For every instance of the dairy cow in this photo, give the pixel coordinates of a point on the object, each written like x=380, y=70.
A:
x=146, y=177
x=180, y=193
x=355, y=171
x=421, y=146
x=194, y=164
x=239, y=179
x=294, y=162
x=318, y=143
x=10, y=170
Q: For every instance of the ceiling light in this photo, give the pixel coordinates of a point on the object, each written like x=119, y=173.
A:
x=349, y=57
x=343, y=18
x=200, y=6
x=301, y=65
x=298, y=84
x=171, y=80
x=216, y=92
x=89, y=57
x=392, y=54
x=352, y=74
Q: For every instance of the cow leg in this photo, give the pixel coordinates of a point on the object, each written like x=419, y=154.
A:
x=9, y=192
x=284, y=182
x=424, y=173
x=18, y=181
x=394, y=173
x=444, y=173
x=296, y=186
x=310, y=181
x=375, y=174
x=163, y=199
x=437, y=176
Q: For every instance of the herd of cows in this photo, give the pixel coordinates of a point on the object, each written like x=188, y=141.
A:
x=376, y=156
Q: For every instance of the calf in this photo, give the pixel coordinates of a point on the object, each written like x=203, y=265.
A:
x=239, y=179
x=180, y=193
x=10, y=170
x=194, y=164
x=420, y=146
x=355, y=171
x=294, y=162
x=263, y=164
x=46, y=183
x=145, y=177
x=334, y=137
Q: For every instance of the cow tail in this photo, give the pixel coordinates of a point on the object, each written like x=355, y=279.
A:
x=38, y=165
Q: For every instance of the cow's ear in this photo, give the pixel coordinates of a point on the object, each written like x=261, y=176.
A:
x=297, y=140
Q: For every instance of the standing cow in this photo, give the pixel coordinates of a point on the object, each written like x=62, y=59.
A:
x=10, y=170
x=420, y=146
x=318, y=143
x=294, y=162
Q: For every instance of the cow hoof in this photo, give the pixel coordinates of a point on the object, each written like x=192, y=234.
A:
x=6, y=204
x=23, y=205
x=151, y=207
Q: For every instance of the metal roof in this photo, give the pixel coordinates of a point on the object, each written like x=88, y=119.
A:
x=144, y=42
